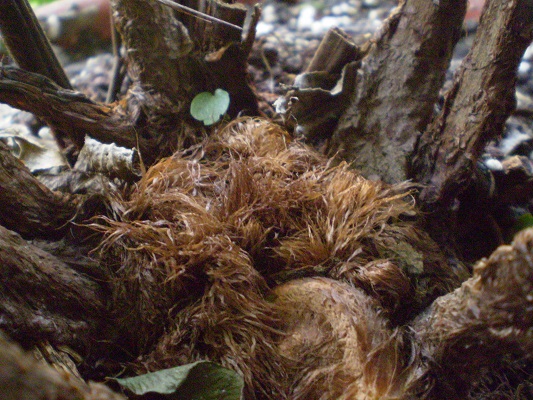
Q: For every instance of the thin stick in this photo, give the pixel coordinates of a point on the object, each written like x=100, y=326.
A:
x=179, y=7
x=116, y=78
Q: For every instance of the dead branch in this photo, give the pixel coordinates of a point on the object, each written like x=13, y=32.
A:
x=27, y=42
x=45, y=299
x=489, y=316
x=71, y=113
x=28, y=207
x=321, y=94
x=477, y=105
x=335, y=51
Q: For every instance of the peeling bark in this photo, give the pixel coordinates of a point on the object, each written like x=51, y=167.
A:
x=321, y=94
x=334, y=52
x=400, y=80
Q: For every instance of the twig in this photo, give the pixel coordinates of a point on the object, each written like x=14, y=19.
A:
x=116, y=76
x=201, y=15
x=252, y=29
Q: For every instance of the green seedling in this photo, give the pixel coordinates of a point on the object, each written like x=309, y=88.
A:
x=208, y=107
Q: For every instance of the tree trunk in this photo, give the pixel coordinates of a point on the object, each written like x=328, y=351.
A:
x=22, y=377
x=470, y=330
x=400, y=80
x=477, y=105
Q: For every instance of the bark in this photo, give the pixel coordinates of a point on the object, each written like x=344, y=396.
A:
x=70, y=113
x=477, y=106
x=23, y=377
x=335, y=51
x=172, y=57
x=28, y=207
x=27, y=43
x=321, y=94
x=159, y=49
x=400, y=80
x=43, y=298
x=471, y=329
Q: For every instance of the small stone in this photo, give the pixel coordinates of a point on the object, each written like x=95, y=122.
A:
x=263, y=29
x=528, y=54
x=327, y=23
x=269, y=14
x=343, y=9
x=306, y=18
x=518, y=166
x=523, y=101
x=371, y=3
x=515, y=185
x=524, y=68
x=493, y=164
x=512, y=140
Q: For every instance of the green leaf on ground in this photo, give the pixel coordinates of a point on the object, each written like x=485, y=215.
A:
x=208, y=108
x=202, y=380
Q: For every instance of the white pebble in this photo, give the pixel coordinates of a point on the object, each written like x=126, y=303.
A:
x=343, y=8
x=513, y=139
x=493, y=164
x=528, y=54
x=263, y=28
x=374, y=15
x=306, y=17
x=524, y=68
x=268, y=14
x=53, y=27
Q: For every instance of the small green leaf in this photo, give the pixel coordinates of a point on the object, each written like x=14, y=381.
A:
x=202, y=380
x=208, y=108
